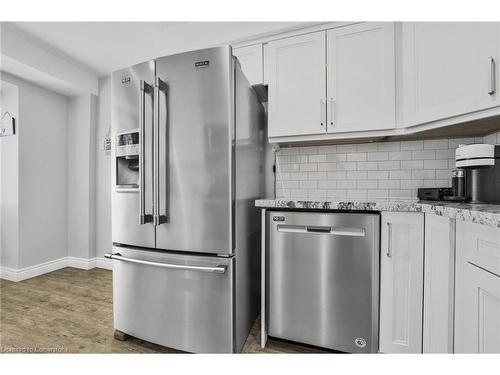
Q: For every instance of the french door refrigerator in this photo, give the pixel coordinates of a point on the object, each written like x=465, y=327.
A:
x=187, y=165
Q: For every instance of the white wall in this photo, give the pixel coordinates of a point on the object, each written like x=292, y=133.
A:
x=81, y=177
x=43, y=119
x=103, y=170
x=9, y=188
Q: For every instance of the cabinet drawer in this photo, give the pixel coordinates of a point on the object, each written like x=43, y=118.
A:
x=479, y=245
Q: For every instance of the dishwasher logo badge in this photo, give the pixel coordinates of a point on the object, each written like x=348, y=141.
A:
x=360, y=342
x=278, y=218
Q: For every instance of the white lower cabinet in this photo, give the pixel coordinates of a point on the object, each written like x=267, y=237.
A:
x=439, y=276
x=401, y=282
x=477, y=292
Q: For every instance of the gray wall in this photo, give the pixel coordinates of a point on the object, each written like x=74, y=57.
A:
x=42, y=158
x=103, y=171
x=9, y=187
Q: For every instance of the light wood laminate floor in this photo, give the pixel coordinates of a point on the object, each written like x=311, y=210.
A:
x=71, y=311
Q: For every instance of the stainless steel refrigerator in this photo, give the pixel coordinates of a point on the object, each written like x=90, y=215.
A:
x=187, y=163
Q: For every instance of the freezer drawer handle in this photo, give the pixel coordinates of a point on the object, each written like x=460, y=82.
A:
x=216, y=269
x=311, y=229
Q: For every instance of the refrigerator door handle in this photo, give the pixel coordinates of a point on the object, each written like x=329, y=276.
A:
x=213, y=269
x=143, y=217
x=160, y=86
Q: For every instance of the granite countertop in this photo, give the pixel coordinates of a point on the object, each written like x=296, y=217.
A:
x=486, y=214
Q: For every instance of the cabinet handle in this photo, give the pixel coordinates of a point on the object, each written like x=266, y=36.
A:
x=332, y=113
x=389, y=240
x=322, y=112
x=492, y=84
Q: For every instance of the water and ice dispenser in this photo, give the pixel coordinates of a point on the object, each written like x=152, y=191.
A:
x=127, y=160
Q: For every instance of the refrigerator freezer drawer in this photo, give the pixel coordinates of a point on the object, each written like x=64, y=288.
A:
x=179, y=301
x=324, y=279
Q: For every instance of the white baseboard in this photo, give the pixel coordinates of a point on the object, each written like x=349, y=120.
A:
x=53, y=265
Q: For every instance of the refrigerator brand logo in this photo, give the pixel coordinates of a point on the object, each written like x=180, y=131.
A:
x=278, y=218
x=126, y=80
x=202, y=64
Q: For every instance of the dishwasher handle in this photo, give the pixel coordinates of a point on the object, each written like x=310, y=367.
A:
x=314, y=229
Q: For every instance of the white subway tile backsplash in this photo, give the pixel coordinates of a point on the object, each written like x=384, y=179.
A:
x=356, y=175
x=389, y=184
x=378, y=194
x=338, y=194
x=447, y=153
x=367, y=147
x=412, y=145
x=308, y=150
x=435, y=144
x=317, y=175
x=378, y=175
x=346, y=148
x=400, y=175
x=413, y=184
x=361, y=156
x=389, y=165
x=357, y=194
x=328, y=149
x=429, y=174
x=308, y=167
x=308, y=184
x=316, y=194
x=400, y=194
x=412, y=164
x=346, y=166
x=290, y=184
x=436, y=164
x=389, y=146
x=423, y=155
x=377, y=170
x=400, y=155
x=376, y=156
x=296, y=176
x=336, y=157
x=327, y=166
x=367, y=184
x=367, y=166
x=346, y=184
x=339, y=175
x=317, y=158
x=327, y=184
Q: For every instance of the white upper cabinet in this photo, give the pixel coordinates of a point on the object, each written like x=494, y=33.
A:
x=448, y=69
x=251, y=60
x=361, y=91
x=401, y=282
x=297, y=87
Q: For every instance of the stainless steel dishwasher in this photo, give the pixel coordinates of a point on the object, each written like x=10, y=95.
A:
x=323, y=272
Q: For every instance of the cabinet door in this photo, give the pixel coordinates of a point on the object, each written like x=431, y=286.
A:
x=439, y=276
x=477, y=326
x=361, y=77
x=401, y=282
x=251, y=60
x=477, y=291
x=297, y=87
x=446, y=69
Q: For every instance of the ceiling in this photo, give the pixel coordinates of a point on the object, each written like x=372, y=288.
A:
x=103, y=47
